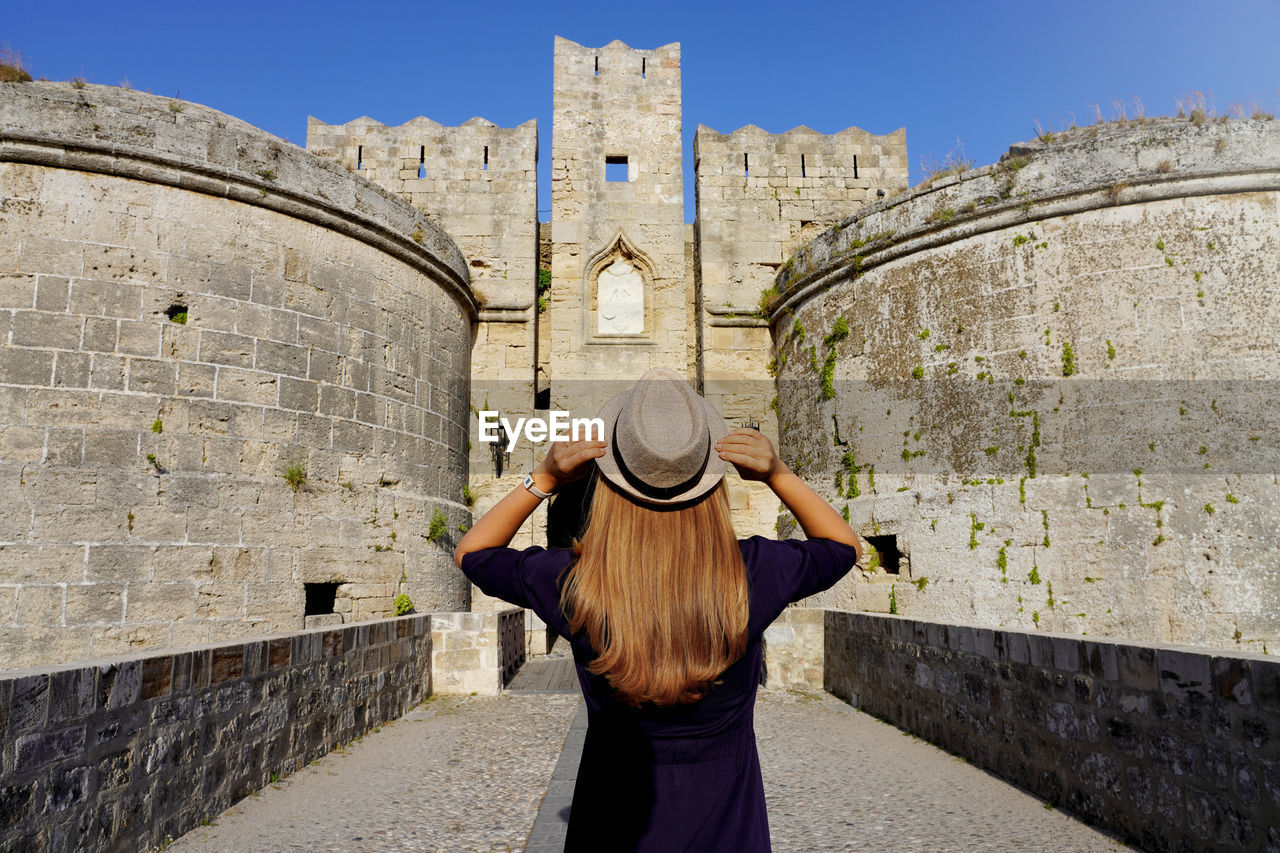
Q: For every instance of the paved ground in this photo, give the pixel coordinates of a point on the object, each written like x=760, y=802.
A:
x=455, y=774
x=550, y=673
x=469, y=774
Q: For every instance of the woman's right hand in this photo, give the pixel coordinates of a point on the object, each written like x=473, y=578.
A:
x=567, y=461
x=751, y=452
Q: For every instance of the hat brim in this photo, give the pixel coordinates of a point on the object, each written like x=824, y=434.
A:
x=717, y=429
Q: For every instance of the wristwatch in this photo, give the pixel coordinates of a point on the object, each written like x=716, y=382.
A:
x=533, y=489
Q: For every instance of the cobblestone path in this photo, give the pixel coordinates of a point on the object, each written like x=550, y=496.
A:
x=468, y=774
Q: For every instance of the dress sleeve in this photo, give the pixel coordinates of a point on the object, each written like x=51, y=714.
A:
x=785, y=571
x=527, y=578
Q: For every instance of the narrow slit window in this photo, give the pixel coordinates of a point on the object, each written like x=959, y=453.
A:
x=746, y=166
x=320, y=598
x=596, y=73
x=855, y=167
x=486, y=156
x=643, y=68
x=887, y=550
x=615, y=169
x=359, y=157
x=802, y=174
x=422, y=162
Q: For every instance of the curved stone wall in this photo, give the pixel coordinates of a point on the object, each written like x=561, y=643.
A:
x=168, y=482
x=1053, y=380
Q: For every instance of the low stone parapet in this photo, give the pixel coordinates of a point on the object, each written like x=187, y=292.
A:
x=476, y=652
x=124, y=754
x=1171, y=748
x=793, y=653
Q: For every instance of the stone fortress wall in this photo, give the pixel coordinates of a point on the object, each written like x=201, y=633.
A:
x=1051, y=381
x=478, y=181
x=623, y=105
x=617, y=196
x=192, y=314
x=762, y=196
x=329, y=325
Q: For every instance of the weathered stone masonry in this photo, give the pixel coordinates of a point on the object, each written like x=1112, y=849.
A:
x=125, y=754
x=1171, y=748
x=143, y=459
x=1053, y=381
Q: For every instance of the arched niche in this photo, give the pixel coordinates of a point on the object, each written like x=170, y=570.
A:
x=619, y=286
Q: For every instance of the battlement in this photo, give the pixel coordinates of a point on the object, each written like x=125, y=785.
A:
x=852, y=159
x=617, y=63
x=422, y=149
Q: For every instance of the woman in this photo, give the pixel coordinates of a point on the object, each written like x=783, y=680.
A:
x=664, y=609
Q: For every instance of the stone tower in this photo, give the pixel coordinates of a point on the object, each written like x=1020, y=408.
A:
x=620, y=295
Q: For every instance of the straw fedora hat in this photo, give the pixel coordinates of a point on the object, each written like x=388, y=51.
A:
x=662, y=439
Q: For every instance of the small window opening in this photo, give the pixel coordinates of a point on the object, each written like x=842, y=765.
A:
x=642, y=67
x=320, y=597
x=422, y=162
x=615, y=169
x=887, y=548
x=596, y=73
x=746, y=166
x=486, y=156
x=542, y=399
x=359, y=157
x=802, y=166
x=855, y=167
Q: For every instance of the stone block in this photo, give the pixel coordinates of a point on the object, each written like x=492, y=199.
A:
x=40, y=604
x=95, y=603
x=26, y=367
x=152, y=376
x=160, y=602
x=43, y=329
x=119, y=684
x=71, y=370
x=1137, y=666
x=220, y=600
x=159, y=524
x=118, y=563
x=246, y=386
x=157, y=677
x=72, y=694
x=226, y=349
x=140, y=338
x=29, y=706
x=33, y=751
x=17, y=291
x=1184, y=672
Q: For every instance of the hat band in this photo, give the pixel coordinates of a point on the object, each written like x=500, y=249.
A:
x=656, y=492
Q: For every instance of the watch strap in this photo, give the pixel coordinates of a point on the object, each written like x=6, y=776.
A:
x=533, y=488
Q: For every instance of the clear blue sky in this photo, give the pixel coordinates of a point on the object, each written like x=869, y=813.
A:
x=982, y=73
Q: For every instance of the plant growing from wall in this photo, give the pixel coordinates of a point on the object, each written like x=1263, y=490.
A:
x=893, y=600
x=544, y=285
x=403, y=604
x=839, y=331
x=438, y=526
x=1068, y=359
x=295, y=474
x=157, y=426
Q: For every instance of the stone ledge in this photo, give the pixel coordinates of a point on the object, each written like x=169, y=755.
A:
x=1096, y=726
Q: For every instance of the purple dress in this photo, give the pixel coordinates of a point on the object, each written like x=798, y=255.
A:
x=680, y=778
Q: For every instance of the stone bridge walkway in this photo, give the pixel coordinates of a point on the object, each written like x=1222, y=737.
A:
x=470, y=774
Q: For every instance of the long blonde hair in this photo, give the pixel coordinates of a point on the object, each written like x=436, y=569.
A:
x=662, y=595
